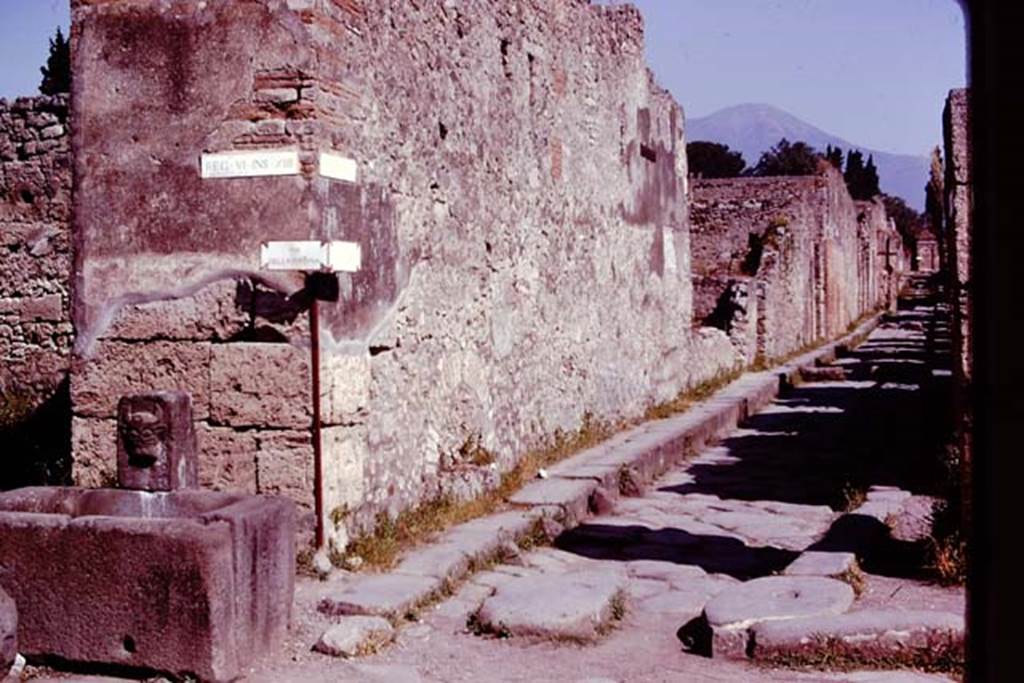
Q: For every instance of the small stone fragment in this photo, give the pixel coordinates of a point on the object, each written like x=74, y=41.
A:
x=355, y=637
x=322, y=564
x=8, y=633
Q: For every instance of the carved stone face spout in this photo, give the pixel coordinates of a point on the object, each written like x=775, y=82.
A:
x=156, y=442
x=145, y=433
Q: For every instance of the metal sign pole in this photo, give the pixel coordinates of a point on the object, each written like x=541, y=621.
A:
x=321, y=261
x=318, y=475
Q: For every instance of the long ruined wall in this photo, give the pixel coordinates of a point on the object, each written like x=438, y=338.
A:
x=520, y=203
x=781, y=262
x=957, y=209
x=35, y=201
x=35, y=319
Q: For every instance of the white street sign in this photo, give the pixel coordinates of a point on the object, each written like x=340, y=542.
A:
x=337, y=167
x=334, y=256
x=250, y=164
x=345, y=257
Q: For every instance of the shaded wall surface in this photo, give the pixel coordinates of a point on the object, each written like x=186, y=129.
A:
x=520, y=202
x=958, y=190
x=781, y=262
x=35, y=321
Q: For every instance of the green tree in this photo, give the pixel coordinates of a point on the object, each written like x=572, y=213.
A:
x=909, y=223
x=834, y=155
x=933, y=202
x=933, y=192
x=787, y=158
x=854, y=171
x=713, y=160
x=869, y=181
x=57, y=72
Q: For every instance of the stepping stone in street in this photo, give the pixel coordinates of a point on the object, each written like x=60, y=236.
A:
x=820, y=563
x=355, y=637
x=732, y=613
x=577, y=606
x=919, y=639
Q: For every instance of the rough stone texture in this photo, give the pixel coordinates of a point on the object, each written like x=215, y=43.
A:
x=871, y=635
x=260, y=385
x=229, y=462
x=35, y=202
x=188, y=581
x=355, y=636
x=781, y=262
x=532, y=169
x=959, y=189
x=572, y=606
x=8, y=632
x=732, y=613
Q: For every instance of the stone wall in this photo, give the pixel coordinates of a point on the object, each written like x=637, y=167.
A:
x=806, y=258
x=35, y=321
x=520, y=202
x=35, y=200
x=958, y=188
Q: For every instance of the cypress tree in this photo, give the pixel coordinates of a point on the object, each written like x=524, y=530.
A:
x=57, y=72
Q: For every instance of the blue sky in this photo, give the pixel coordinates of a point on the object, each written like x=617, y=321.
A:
x=875, y=72
x=26, y=27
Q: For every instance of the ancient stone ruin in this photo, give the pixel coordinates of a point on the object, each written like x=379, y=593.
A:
x=780, y=263
x=284, y=248
x=533, y=170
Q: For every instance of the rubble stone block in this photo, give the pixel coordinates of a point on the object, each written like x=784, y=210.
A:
x=227, y=459
x=94, y=449
x=8, y=632
x=260, y=385
x=212, y=313
x=355, y=636
x=284, y=461
x=344, y=388
x=119, y=369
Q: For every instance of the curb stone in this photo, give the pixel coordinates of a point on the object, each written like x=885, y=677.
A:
x=647, y=451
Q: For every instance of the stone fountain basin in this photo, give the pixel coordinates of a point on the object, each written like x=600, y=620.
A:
x=186, y=582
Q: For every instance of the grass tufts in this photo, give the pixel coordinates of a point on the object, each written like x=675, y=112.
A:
x=687, y=397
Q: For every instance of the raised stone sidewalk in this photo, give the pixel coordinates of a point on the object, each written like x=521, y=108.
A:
x=573, y=490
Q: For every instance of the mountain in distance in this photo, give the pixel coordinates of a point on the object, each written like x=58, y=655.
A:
x=755, y=128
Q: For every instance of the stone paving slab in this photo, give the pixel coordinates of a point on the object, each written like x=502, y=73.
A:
x=385, y=595
x=577, y=606
x=571, y=495
x=732, y=613
x=910, y=637
x=818, y=563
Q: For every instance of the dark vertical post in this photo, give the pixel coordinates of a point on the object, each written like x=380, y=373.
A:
x=314, y=344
